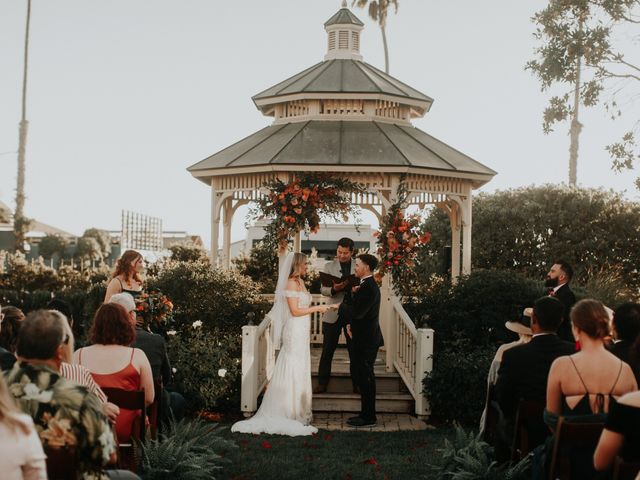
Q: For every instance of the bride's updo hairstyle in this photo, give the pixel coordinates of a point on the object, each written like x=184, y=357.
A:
x=299, y=259
x=590, y=317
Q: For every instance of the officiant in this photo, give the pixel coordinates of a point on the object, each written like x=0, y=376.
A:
x=334, y=323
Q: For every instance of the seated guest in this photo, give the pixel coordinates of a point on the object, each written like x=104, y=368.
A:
x=588, y=381
x=586, y=384
x=626, y=330
x=621, y=434
x=12, y=318
x=522, y=327
x=155, y=348
x=114, y=364
x=21, y=454
x=79, y=374
x=524, y=369
x=65, y=414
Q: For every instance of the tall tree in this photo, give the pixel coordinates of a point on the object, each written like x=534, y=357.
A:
x=577, y=50
x=20, y=222
x=378, y=10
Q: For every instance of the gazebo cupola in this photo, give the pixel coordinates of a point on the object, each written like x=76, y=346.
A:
x=343, y=35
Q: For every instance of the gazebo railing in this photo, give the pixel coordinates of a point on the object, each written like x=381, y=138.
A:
x=413, y=353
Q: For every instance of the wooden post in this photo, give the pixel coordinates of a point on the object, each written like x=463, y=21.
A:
x=387, y=319
x=424, y=364
x=226, y=234
x=466, y=234
x=249, y=386
x=215, y=225
x=454, y=217
x=297, y=243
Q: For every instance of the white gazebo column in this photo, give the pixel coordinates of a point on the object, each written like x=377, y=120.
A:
x=297, y=243
x=454, y=218
x=387, y=323
x=226, y=232
x=466, y=233
x=215, y=223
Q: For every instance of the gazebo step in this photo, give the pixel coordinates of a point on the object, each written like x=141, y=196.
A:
x=385, y=383
x=350, y=402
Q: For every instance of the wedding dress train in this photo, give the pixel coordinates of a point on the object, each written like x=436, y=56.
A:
x=286, y=405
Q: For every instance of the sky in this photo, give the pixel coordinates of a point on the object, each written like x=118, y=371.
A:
x=124, y=95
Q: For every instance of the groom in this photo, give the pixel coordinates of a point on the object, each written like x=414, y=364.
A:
x=366, y=337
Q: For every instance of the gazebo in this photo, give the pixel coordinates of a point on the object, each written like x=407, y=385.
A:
x=348, y=118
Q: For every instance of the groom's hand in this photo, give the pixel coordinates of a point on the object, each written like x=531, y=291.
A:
x=339, y=286
x=349, y=330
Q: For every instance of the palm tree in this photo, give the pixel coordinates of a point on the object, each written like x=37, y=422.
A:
x=20, y=222
x=378, y=10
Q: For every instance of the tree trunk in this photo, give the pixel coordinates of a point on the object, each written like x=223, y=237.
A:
x=20, y=223
x=576, y=126
x=386, y=48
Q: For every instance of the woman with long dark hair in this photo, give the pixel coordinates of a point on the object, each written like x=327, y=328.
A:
x=127, y=276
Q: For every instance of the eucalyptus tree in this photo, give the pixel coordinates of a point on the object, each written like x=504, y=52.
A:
x=578, y=56
x=378, y=11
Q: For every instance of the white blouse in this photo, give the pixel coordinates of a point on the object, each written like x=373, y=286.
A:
x=21, y=454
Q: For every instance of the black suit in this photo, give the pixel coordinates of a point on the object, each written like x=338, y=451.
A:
x=568, y=299
x=523, y=374
x=622, y=350
x=155, y=348
x=364, y=311
x=7, y=359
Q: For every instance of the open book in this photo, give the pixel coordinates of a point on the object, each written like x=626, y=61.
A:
x=327, y=280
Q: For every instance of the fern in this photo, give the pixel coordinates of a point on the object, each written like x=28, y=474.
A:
x=187, y=451
x=468, y=457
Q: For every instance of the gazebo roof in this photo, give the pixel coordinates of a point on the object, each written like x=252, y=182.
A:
x=343, y=76
x=344, y=16
x=367, y=145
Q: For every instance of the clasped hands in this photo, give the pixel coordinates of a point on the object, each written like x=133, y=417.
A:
x=325, y=308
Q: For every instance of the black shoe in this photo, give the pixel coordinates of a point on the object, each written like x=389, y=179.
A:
x=361, y=422
x=320, y=388
x=357, y=418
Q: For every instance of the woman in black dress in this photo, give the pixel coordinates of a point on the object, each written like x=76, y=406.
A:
x=621, y=434
x=127, y=276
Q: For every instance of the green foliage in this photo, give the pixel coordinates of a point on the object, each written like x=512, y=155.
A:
x=468, y=319
x=188, y=253
x=219, y=298
x=477, y=307
x=189, y=450
x=52, y=245
x=523, y=230
x=24, y=275
x=578, y=43
x=467, y=457
x=458, y=366
x=261, y=265
x=207, y=366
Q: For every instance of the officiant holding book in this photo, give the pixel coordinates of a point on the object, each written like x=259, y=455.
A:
x=336, y=284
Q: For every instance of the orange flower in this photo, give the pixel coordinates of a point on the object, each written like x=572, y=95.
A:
x=298, y=210
x=284, y=208
x=294, y=201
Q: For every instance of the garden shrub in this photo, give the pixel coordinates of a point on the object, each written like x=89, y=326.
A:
x=207, y=366
x=458, y=366
x=261, y=265
x=219, y=298
x=477, y=307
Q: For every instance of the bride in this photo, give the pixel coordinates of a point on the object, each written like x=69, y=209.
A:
x=286, y=405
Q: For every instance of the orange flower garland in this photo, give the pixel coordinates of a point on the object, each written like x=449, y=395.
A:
x=400, y=237
x=299, y=205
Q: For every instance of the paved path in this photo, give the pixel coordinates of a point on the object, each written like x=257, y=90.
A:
x=387, y=422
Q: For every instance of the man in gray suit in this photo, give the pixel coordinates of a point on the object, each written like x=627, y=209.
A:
x=333, y=323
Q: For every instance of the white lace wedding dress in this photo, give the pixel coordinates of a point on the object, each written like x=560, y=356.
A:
x=286, y=405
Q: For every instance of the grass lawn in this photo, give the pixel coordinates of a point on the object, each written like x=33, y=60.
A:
x=335, y=455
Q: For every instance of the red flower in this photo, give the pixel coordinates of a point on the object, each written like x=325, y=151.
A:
x=371, y=461
x=266, y=444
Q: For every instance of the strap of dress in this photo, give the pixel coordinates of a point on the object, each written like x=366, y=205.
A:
x=617, y=378
x=131, y=359
x=586, y=390
x=120, y=282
